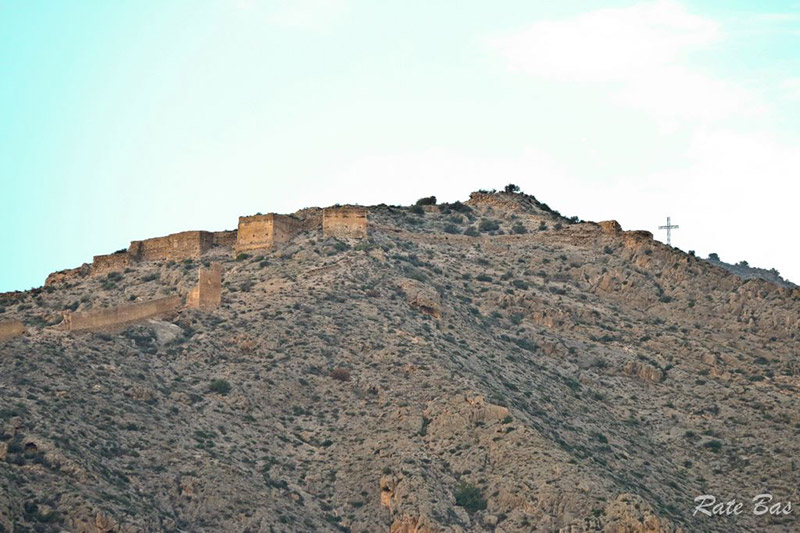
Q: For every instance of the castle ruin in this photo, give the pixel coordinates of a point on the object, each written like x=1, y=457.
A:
x=258, y=232
x=176, y=247
x=10, y=329
x=116, y=262
x=208, y=292
x=349, y=222
x=115, y=317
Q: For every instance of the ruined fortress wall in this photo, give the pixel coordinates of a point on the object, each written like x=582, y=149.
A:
x=254, y=232
x=115, y=262
x=178, y=246
x=284, y=228
x=263, y=231
x=113, y=317
x=346, y=222
x=10, y=329
x=224, y=238
x=208, y=292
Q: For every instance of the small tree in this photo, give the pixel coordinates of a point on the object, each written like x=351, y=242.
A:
x=512, y=188
x=488, y=225
x=429, y=200
x=220, y=386
x=470, y=497
x=713, y=256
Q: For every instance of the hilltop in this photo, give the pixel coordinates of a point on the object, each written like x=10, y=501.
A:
x=745, y=271
x=481, y=366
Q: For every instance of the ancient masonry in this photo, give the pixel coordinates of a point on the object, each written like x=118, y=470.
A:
x=348, y=222
x=176, y=247
x=10, y=329
x=258, y=232
x=114, y=317
x=208, y=293
x=103, y=264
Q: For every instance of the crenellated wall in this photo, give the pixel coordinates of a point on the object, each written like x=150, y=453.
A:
x=346, y=222
x=208, y=292
x=264, y=231
x=178, y=246
x=114, y=317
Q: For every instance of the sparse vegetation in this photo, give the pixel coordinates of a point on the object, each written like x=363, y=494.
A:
x=470, y=497
x=220, y=386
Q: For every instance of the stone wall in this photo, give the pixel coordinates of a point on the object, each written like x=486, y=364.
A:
x=10, y=329
x=114, y=317
x=347, y=222
x=208, y=293
x=225, y=238
x=178, y=246
x=264, y=231
x=116, y=262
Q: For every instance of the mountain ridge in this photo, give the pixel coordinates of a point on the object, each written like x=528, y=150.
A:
x=485, y=366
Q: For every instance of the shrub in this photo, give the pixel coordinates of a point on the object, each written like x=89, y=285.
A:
x=519, y=228
x=242, y=257
x=470, y=497
x=607, y=250
x=512, y=188
x=483, y=277
x=340, y=374
x=488, y=225
x=713, y=445
x=471, y=231
x=459, y=207
x=451, y=229
x=417, y=209
x=220, y=386
x=429, y=200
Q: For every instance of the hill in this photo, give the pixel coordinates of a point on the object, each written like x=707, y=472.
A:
x=745, y=271
x=485, y=366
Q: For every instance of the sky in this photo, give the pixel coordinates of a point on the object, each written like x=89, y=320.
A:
x=133, y=119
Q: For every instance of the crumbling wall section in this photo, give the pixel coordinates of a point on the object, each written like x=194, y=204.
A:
x=225, y=238
x=114, y=317
x=346, y=222
x=176, y=247
x=10, y=329
x=116, y=262
x=208, y=292
x=258, y=232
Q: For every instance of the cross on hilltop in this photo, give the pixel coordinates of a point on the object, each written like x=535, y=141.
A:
x=669, y=227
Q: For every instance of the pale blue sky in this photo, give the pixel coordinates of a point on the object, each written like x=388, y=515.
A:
x=132, y=119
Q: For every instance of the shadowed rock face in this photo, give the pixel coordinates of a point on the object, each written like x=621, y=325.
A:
x=532, y=375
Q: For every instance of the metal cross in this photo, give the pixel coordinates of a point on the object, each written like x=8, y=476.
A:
x=669, y=227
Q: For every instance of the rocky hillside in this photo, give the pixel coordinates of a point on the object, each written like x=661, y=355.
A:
x=486, y=366
x=745, y=271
